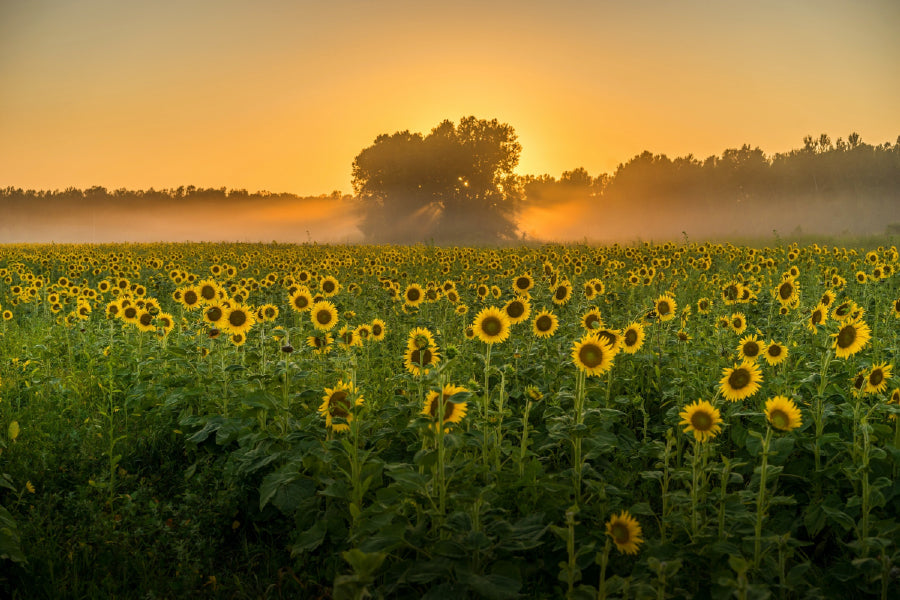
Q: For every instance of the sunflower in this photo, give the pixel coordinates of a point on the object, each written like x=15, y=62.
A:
x=740, y=381
x=268, y=312
x=321, y=344
x=591, y=320
x=775, y=353
x=491, y=325
x=750, y=347
x=895, y=308
x=190, y=297
x=337, y=404
x=453, y=411
x=517, y=310
x=346, y=337
x=208, y=291
x=379, y=330
x=783, y=414
x=703, y=419
x=323, y=315
x=301, y=300
x=144, y=320
x=129, y=314
x=329, y=286
x=238, y=339
x=562, y=293
x=851, y=338
x=214, y=314
x=703, y=306
x=613, y=337
x=876, y=381
x=633, y=338
x=787, y=291
x=665, y=307
x=419, y=361
x=238, y=319
x=166, y=322
x=737, y=322
x=818, y=317
x=414, y=295
x=625, y=532
x=844, y=311
x=420, y=337
x=523, y=283
x=363, y=332
x=593, y=355
x=827, y=298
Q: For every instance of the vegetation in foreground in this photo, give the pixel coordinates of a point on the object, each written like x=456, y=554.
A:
x=245, y=421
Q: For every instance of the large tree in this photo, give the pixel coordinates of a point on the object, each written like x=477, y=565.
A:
x=454, y=185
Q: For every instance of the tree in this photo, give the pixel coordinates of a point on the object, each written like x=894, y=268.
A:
x=454, y=185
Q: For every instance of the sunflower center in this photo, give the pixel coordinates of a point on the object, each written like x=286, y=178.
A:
x=190, y=297
x=739, y=379
x=780, y=419
x=876, y=377
x=376, y=329
x=301, y=302
x=522, y=283
x=515, y=309
x=146, y=319
x=130, y=312
x=620, y=533
x=663, y=308
x=323, y=317
x=561, y=293
x=774, y=350
x=701, y=420
x=492, y=326
x=208, y=292
x=817, y=317
x=412, y=295
x=591, y=321
x=751, y=349
x=544, y=323
x=785, y=291
x=421, y=357
x=591, y=355
x=237, y=318
x=631, y=337
x=897, y=305
x=846, y=336
x=338, y=404
x=214, y=313
x=328, y=287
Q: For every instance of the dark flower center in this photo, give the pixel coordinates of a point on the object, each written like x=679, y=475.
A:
x=739, y=379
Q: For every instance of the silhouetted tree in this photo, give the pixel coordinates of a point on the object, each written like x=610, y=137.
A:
x=455, y=184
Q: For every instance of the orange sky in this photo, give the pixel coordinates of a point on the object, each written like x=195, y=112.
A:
x=282, y=95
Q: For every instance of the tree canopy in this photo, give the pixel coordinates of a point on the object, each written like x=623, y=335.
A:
x=455, y=184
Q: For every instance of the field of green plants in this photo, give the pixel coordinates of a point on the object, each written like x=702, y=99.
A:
x=282, y=421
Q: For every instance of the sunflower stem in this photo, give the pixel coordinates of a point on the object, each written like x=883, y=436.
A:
x=523, y=446
x=485, y=402
x=761, y=498
x=604, y=560
x=819, y=409
x=695, y=475
x=579, y=419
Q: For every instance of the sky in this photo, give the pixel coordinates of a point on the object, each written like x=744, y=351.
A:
x=282, y=95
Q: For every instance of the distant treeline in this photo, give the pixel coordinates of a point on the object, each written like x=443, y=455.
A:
x=831, y=187
x=847, y=186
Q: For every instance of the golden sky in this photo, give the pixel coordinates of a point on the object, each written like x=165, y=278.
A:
x=282, y=95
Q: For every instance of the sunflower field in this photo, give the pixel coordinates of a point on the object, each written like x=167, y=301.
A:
x=280, y=421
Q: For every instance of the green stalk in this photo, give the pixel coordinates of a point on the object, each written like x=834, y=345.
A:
x=761, y=498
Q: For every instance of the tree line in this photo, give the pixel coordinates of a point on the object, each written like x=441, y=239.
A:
x=457, y=184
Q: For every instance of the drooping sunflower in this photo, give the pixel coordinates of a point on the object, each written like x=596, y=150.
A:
x=238, y=319
x=491, y=325
x=633, y=338
x=592, y=355
x=545, y=324
x=851, y=338
x=453, y=411
x=876, y=381
x=324, y=315
x=783, y=414
x=625, y=532
x=591, y=320
x=517, y=310
x=703, y=419
x=337, y=406
x=740, y=381
x=750, y=347
x=775, y=353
